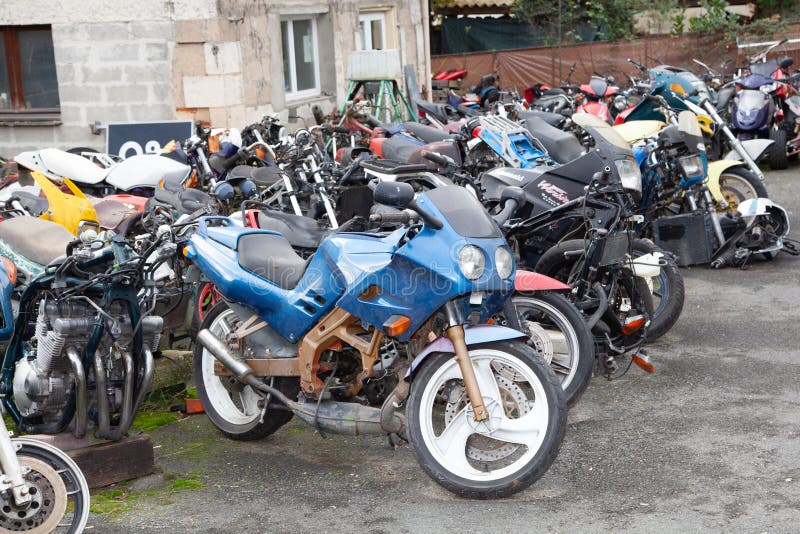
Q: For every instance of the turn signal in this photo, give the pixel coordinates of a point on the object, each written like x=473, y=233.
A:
x=677, y=88
x=632, y=324
x=643, y=361
x=396, y=325
x=11, y=270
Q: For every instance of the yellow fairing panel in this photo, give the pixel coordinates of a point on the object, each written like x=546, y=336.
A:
x=67, y=210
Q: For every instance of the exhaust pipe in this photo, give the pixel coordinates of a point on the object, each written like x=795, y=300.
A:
x=335, y=417
x=79, y=374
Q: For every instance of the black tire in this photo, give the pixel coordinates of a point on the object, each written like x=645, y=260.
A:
x=554, y=264
x=546, y=307
x=668, y=289
x=778, y=157
x=276, y=415
x=519, y=479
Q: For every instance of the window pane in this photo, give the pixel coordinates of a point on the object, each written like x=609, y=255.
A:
x=362, y=28
x=5, y=94
x=304, y=59
x=39, y=80
x=287, y=61
x=377, y=34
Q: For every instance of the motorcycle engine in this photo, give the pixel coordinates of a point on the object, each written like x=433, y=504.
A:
x=43, y=376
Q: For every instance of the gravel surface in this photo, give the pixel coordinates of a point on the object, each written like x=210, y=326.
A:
x=708, y=443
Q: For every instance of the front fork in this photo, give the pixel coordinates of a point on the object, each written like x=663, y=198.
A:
x=455, y=333
x=12, y=476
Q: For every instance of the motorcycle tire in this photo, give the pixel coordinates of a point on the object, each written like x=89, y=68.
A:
x=666, y=312
x=569, y=347
x=778, y=158
x=245, y=423
x=667, y=290
x=45, y=462
x=450, y=458
x=738, y=184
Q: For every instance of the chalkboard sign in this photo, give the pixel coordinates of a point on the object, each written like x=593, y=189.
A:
x=126, y=139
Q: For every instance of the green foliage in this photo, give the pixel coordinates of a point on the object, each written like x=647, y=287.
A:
x=715, y=19
x=614, y=17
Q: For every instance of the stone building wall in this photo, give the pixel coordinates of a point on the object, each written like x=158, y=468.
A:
x=213, y=60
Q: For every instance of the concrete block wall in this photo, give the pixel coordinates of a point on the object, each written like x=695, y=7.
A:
x=107, y=72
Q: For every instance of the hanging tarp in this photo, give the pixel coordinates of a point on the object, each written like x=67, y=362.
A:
x=475, y=34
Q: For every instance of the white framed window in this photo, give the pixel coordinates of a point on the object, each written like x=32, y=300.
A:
x=300, y=57
x=373, y=30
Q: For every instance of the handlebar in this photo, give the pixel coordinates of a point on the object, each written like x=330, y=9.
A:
x=403, y=217
x=437, y=158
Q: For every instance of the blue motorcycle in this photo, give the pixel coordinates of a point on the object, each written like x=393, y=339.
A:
x=375, y=321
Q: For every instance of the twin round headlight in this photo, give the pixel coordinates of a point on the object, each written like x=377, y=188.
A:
x=472, y=262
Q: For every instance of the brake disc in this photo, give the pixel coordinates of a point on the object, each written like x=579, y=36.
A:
x=515, y=404
x=48, y=500
x=540, y=340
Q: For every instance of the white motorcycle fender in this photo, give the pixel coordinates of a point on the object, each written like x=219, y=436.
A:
x=756, y=148
x=648, y=266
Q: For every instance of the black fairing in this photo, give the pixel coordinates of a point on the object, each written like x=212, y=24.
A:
x=724, y=97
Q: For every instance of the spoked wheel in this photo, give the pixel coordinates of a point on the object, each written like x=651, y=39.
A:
x=559, y=334
x=507, y=452
x=236, y=409
x=59, y=493
x=738, y=184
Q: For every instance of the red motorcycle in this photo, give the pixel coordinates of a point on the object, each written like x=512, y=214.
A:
x=596, y=96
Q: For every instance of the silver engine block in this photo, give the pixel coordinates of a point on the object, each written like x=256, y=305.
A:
x=43, y=378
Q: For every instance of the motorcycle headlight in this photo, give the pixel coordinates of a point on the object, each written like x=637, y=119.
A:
x=620, y=102
x=471, y=261
x=503, y=262
x=629, y=174
x=692, y=166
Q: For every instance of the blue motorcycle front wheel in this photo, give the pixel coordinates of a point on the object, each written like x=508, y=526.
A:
x=504, y=454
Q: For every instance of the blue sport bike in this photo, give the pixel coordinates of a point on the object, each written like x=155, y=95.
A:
x=372, y=322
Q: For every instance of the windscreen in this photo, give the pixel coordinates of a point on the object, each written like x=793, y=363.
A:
x=764, y=69
x=463, y=212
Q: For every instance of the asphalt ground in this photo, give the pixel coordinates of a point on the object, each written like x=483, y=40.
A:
x=707, y=443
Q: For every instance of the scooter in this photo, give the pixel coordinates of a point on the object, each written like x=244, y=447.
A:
x=305, y=337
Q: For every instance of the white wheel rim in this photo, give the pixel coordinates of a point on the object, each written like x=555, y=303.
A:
x=449, y=447
x=565, y=342
x=218, y=394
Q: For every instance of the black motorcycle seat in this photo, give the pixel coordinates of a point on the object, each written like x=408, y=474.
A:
x=300, y=231
x=38, y=240
x=427, y=133
x=393, y=162
x=33, y=204
x=439, y=112
x=553, y=119
x=397, y=149
x=262, y=176
x=271, y=256
x=183, y=200
x=561, y=146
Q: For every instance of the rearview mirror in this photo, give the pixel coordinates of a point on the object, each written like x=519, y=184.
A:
x=786, y=62
x=394, y=194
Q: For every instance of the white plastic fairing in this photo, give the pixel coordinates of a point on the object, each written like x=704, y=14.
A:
x=754, y=206
x=59, y=164
x=145, y=170
x=648, y=266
